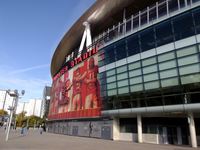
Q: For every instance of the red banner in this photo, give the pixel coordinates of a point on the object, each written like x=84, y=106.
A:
x=75, y=94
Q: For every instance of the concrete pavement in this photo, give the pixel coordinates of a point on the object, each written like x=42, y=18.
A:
x=47, y=141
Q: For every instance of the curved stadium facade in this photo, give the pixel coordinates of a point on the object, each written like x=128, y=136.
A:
x=138, y=77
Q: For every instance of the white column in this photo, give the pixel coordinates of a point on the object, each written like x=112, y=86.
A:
x=193, y=136
x=139, y=128
x=116, y=128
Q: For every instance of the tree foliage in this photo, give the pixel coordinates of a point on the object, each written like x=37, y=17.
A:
x=3, y=112
x=30, y=121
x=20, y=119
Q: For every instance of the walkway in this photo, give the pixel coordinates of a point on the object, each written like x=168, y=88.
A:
x=47, y=141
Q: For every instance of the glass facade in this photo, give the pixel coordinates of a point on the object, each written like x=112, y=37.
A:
x=152, y=81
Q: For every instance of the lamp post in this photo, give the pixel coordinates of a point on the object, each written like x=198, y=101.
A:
x=4, y=101
x=12, y=108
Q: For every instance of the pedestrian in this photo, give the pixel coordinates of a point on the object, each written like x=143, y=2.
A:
x=40, y=129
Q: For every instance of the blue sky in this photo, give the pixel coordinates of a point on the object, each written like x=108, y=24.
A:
x=30, y=30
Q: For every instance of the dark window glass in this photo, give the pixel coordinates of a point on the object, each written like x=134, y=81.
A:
x=147, y=39
x=173, y=5
x=183, y=26
x=173, y=100
x=120, y=48
x=182, y=3
x=195, y=98
x=135, y=22
x=128, y=125
x=162, y=9
x=152, y=13
x=102, y=81
x=128, y=26
x=143, y=18
x=194, y=1
x=109, y=54
x=133, y=45
x=101, y=75
x=112, y=34
x=154, y=101
x=197, y=20
x=164, y=33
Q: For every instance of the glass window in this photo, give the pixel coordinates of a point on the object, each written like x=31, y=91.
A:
x=168, y=73
x=122, y=76
x=111, y=85
x=189, y=69
x=123, y=90
x=135, y=88
x=188, y=60
x=196, y=15
x=103, y=93
x=102, y=81
x=143, y=17
x=134, y=73
x=101, y=63
x=151, y=77
x=120, y=48
x=112, y=92
x=128, y=25
x=173, y=5
x=187, y=51
x=182, y=3
x=122, y=69
x=135, y=21
x=157, y=101
x=101, y=75
x=110, y=72
x=149, y=61
x=109, y=54
x=164, y=33
x=183, y=26
x=173, y=100
x=162, y=9
x=167, y=65
x=103, y=87
x=151, y=85
x=134, y=65
x=135, y=80
x=150, y=69
x=169, y=82
x=190, y=79
x=122, y=83
x=111, y=79
x=166, y=56
x=152, y=13
x=147, y=39
x=133, y=44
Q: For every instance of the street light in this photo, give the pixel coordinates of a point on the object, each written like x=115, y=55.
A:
x=4, y=101
x=12, y=108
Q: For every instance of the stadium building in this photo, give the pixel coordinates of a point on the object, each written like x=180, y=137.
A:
x=130, y=70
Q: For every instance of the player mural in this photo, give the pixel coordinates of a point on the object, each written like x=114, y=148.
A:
x=75, y=93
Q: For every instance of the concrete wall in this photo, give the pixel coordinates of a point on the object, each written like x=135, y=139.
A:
x=128, y=137
x=147, y=138
x=150, y=138
x=97, y=129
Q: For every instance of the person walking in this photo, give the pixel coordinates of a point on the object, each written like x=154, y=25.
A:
x=40, y=129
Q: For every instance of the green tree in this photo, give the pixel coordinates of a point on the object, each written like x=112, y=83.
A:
x=3, y=112
x=21, y=118
x=33, y=120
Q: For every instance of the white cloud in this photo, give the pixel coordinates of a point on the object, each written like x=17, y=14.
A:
x=20, y=81
x=29, y=69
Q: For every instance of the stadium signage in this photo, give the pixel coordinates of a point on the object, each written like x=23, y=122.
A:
x=71, y=64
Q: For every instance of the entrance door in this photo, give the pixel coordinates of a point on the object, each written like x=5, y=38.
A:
x=176, y=135
x=172, y=135
x=106, y=132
